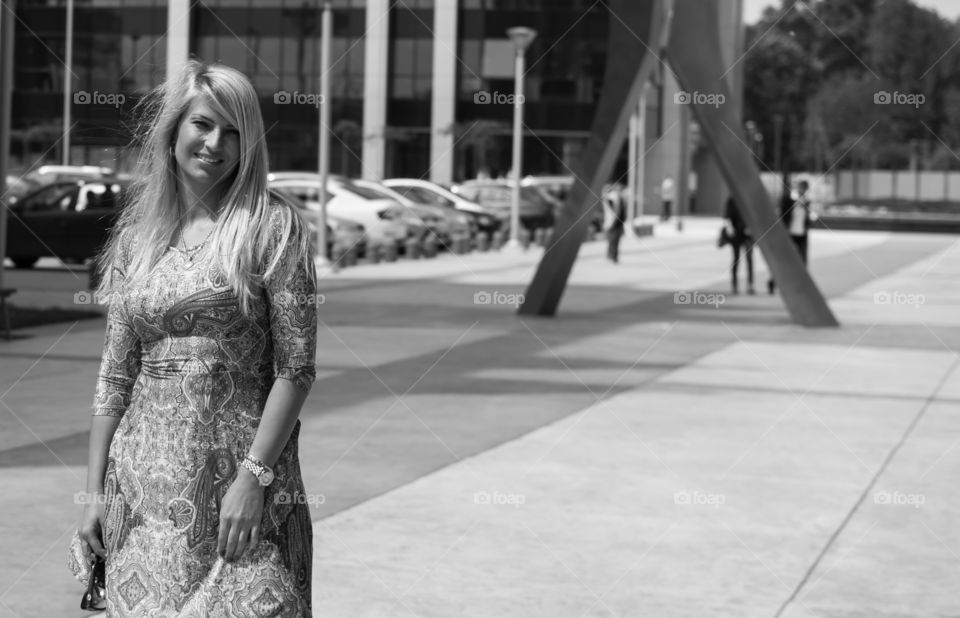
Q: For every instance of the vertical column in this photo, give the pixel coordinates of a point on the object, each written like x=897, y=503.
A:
x=712, y=191
x=178, y=34
x=443, y=109
x=377, y=43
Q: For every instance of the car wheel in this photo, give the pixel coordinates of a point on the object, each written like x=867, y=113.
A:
x=24, y=262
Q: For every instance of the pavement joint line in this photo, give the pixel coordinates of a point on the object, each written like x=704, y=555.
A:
x=863, y=496
x=765, y=565
x=691, y=386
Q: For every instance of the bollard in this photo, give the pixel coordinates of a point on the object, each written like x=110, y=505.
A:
x=525, y=238
x=430, y=246
x=390, y=252
x=497, y=240
x=339, y=256
x=350, y=256
x=374, y=254
x=538, y=237
x=461, y=244
x=483, y=242
x=412, y=249
x=547, y=236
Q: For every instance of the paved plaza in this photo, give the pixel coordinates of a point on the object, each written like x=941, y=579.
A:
x=659, y=448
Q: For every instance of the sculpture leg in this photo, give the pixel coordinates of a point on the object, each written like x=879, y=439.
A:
x=628, y=62
x=694, y=53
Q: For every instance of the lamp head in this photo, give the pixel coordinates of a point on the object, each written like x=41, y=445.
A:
x=521, y=37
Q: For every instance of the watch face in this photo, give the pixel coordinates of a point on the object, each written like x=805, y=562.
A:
x=266, y=477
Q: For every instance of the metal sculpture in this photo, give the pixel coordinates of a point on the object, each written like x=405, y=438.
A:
x=693, y=50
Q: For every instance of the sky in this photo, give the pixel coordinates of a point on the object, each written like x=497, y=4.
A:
x=950, y=9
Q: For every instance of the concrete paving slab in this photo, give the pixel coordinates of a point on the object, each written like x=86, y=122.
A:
x=822, y=368
x=512, y=411
x=616, y=509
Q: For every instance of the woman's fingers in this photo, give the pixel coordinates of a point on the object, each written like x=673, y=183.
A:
x=222, y=538
x=243, y=537
x=254, y=538
x=93, y=541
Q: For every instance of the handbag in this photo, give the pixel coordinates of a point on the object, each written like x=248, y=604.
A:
x=724, y=238
x=90, y=570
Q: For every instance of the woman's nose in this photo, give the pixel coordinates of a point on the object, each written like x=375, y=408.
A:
x=213, y=139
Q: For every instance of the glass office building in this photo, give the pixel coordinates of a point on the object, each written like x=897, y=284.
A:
x=121, y=47
x=419, y=87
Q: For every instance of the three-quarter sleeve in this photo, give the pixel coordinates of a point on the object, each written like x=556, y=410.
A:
x=120, y=365
x=292, y=303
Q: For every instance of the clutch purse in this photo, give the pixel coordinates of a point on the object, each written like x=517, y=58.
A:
x=90, y=570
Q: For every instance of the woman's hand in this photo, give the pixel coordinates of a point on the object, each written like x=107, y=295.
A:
x=91, y=524
x=240, y=515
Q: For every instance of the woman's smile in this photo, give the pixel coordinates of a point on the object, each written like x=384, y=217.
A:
x=208, y=159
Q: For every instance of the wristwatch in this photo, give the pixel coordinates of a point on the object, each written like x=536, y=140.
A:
x=259, y=469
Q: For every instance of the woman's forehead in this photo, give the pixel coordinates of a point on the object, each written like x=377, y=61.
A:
x=205, y=107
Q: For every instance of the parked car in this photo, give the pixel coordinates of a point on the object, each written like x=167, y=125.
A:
x=48, y=174
x=382, y=219
x=69, y=220
x=340, y=231
x=536, y=210
x=426, y=192
x=444, y=223
x=16, y=188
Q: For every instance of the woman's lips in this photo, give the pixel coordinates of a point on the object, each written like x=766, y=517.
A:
x=207, y=159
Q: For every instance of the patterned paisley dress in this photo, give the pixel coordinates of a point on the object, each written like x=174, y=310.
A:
x=189, y=375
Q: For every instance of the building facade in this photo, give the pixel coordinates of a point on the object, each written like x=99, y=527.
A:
x=419, y=88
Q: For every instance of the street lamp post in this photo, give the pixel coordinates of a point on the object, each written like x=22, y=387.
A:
x=521, y=37
x=67, y=87
x=323, y=152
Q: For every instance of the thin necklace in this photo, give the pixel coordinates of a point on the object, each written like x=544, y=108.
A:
x=191, y=251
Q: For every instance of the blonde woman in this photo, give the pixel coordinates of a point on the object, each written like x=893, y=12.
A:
x=208, y=358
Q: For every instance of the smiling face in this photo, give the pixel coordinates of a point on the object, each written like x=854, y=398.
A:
x=207, y=148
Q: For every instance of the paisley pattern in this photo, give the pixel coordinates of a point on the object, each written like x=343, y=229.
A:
x=189, y=374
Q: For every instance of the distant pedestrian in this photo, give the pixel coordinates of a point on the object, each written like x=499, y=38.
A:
x=739, y=238
x=795, y=213
x=668, y=193
x=798, y=218
x=614, y=217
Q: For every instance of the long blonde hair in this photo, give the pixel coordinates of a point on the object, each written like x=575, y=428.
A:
x=150, y=216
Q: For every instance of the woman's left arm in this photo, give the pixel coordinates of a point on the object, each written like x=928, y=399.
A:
x=292, y=303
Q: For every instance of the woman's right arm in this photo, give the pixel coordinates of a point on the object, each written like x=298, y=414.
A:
x=102, y=428
x=119, y=370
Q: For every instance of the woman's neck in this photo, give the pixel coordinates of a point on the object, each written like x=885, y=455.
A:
x=199, y=202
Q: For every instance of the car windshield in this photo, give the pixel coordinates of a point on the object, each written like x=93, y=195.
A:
x=352, y=187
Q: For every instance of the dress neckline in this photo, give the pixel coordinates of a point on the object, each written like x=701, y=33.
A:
x=194, y=247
